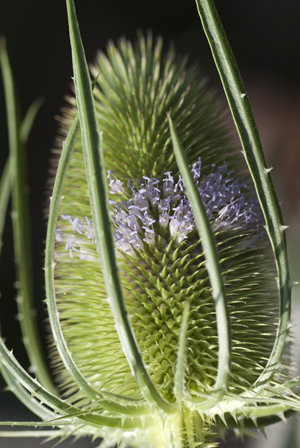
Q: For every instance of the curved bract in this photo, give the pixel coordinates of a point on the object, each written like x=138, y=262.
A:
x=159, y=271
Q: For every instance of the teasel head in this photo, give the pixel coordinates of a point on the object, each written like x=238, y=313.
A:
x=174, y=337
x=163, y=269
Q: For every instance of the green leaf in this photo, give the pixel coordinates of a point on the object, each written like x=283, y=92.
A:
x=245, y=124
x=21, y=231
x=213, y=267
x=29, y=118
x=5, y=190
x=92, y=148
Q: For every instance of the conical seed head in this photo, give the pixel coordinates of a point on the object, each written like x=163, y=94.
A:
x=158, y=248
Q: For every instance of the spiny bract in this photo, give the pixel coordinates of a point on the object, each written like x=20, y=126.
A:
x=160, y=255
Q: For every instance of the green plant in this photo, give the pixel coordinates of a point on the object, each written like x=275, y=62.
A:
x=162, y=396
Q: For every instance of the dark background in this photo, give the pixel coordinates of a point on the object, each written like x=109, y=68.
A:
x=265, y=37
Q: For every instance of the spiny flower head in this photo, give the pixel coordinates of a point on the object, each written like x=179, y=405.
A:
x=160, y=256
x=173, y=336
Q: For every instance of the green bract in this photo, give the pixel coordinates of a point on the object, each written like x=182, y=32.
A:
x=174, y=335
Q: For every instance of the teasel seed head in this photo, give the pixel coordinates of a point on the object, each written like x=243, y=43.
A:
x=160, y=255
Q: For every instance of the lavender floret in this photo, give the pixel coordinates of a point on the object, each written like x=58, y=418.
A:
x=228, y=203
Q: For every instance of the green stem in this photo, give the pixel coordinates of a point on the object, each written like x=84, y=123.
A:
x=21, y=232
x=187, y=430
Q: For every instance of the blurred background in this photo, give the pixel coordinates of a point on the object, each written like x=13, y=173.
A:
x=265, y=37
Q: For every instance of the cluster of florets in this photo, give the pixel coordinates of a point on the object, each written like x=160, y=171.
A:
x=228, y=203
